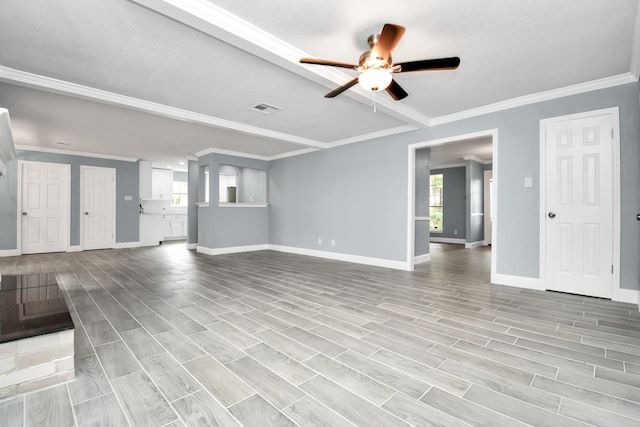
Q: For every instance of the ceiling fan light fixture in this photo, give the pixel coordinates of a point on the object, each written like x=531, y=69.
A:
x=375, y=80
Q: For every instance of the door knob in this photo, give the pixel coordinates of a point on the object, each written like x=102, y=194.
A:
x=638, y=217
x=552, y=215
x=86, y=213
x=24, y=213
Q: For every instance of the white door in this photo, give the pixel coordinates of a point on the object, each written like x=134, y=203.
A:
x=578, y=166
x=488, y=214
x=44, y=209
x=98, y=207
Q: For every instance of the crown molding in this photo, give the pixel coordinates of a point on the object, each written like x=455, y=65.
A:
x=231, y=153
x=293, y=153
x=74, y=153
x=36, y=81
x=372, y=135
x=536, y=97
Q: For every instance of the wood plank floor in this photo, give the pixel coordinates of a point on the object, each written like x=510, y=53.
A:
x=168, y=337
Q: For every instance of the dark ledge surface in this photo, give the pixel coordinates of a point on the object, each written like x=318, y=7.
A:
x=31, y=305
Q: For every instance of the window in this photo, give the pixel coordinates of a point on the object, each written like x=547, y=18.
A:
x=180, y=193
x=435, y=202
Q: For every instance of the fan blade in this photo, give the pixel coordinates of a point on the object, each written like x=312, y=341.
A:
x=389, y=39
x=326, y=62
x=341, y=89
x=396, y=91
x=429, y=64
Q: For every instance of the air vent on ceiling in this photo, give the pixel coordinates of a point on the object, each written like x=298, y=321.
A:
x=265, y=108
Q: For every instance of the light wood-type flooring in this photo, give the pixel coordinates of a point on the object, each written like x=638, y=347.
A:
x=169, y=337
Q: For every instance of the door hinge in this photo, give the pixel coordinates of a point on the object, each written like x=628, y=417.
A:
x=611, y=133
x=611, y=268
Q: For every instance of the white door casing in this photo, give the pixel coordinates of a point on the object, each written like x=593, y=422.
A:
x=577, y=164
x=44, y=207
x=488, y=208
x=98, y=207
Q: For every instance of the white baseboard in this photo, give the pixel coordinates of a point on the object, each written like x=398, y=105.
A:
x=126, y=245
x=447, y=240
x=474, y=244
x=74, y=248
x=9, y=252
x=518, y=281
x=231, y=250
x=192, y=246
x=377, y=262
x=626, y=295
x=421, y=259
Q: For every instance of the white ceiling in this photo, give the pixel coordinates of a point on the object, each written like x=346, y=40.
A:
x=163, y=80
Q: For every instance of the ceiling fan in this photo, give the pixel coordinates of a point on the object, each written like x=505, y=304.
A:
x=375, y=65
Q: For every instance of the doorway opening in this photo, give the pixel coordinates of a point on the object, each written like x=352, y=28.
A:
x=462, y=164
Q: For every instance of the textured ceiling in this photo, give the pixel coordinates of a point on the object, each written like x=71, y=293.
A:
x=163, y=80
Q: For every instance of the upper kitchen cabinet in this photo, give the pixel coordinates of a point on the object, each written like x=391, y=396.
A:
x=161, y=184
x=155, y=184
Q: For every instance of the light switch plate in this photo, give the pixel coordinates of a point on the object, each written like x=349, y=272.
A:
x=528, y=181
x=128, y=198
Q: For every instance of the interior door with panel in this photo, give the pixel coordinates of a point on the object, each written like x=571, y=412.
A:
x=98, y=207
x=44, y=199
x=578, y=166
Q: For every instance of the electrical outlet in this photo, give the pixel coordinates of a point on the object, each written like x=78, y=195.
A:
x=333, y=243
x=319, y=240
x=455, y=232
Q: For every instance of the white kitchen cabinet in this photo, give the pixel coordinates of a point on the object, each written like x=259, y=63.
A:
x=174, y=226
x=150, y=229
x=145, y=179
x=161, y=184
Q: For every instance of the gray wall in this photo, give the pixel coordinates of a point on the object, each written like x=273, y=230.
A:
x=127, y=176
x=454, y=206
x=475, y=201
x=192, y=208
x=220, y=227
x=357, y=193
x=422, y=189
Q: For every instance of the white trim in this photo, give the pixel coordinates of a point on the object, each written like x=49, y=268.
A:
x=192, y=246
x=411, y=174
x=615, y=170
x=625, y=295
x=635, y=48
x=421, y=218
x=373, y=135
x=357, y=259
x=518, y=281
x=293, y=153
x=447, y=240
x=536, y=97
x=449, y=166
x=477, y=214
x=74, y=153
x=242, y=205
x=473, y=245
x=231, y=249
x=231, y=153
x=421, y=259
x=9, y=252
x=476, y=159
x=85, y=92
x=77, y=248
x=126, y=245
